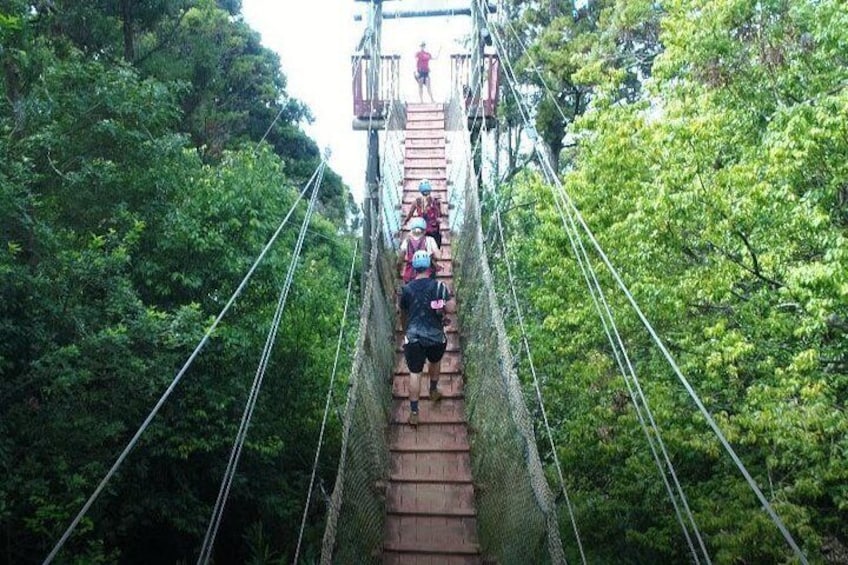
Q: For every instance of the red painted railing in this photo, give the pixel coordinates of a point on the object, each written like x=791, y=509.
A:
x=372, y=100
x=461, y=78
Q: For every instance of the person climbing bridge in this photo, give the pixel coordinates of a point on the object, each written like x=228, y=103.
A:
x=422, y=71
x=422, y=307
x=416, y=241
x=428, y=207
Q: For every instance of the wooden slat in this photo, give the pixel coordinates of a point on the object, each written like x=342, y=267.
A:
x=431, y=467
x=426, y=437
x=423, y=534
x=431, y=499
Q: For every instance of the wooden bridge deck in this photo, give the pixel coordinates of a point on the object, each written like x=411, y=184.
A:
x=432, y=516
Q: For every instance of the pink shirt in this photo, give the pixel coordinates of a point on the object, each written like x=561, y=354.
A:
x=423, y=61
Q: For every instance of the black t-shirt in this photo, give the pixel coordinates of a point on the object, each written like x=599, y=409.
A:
x=423, y=323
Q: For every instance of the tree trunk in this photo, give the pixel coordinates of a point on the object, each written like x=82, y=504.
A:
x=129, y=39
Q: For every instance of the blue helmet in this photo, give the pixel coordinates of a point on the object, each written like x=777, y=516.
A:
x=418, y=223
x=421, y=260
x=424, y=187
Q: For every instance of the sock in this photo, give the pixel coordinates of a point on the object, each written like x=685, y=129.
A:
x=434, y=385
x=414, y=405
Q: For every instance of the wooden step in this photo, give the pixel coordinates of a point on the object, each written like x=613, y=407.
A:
x=413, y=107
x=430, y=558
x=434, y=134
x=425, y=115
x=428, y=437
x=445, y=411
x=424, y=162
x=431, y=467
x=423, y=534
x=424, y=153
x=438, y=173
x=431, y=499
x=421, y=141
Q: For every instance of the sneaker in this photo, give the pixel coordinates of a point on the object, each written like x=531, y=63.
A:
x=413, y=418
x=435, y=395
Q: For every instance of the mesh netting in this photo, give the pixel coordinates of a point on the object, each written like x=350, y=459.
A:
x=516, y=511
x=354, y=530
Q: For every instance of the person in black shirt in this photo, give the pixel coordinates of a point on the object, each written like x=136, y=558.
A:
x=422, y=306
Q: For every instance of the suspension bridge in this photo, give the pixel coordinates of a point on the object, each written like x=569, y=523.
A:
x=467, y=484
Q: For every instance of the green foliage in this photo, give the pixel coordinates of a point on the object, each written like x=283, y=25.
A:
x=120, y=242
x=719, y=194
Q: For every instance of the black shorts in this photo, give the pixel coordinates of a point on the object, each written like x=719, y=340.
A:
x=422, y=75
x=416, y=354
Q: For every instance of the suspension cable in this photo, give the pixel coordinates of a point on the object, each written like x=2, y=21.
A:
x=659, y=343
x=548, y=172
x=689, y=389
x=238, y=444
x=144, y=425
x=326, y=404
x=538, y=388
x=630, y=374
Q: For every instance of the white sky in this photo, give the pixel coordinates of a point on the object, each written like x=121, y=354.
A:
x=315, y=40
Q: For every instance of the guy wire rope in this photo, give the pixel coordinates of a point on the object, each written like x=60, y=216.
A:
x=144, y=425
x=689, y=389
x=326, y=404
x=328, y=542
x=247, y=415
x=570, y=229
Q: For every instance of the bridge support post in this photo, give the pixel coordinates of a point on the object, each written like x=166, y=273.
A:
x=372, y=201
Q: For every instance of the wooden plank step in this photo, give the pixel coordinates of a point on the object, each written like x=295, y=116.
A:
x=428, y=437
x=446, y=411
x=412, y=107
x=432, y=467
x=430, y=125
x=405, y=558
x=425, y=173
x=425, y=115
x=431, y=499
x=424, y=153
x=424, y=134
x=424, y=162
x=430, y=534
x=420, y=141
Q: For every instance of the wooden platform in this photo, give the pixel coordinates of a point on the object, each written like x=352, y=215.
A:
x=432, y=515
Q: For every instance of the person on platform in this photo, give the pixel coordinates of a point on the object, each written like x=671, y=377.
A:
x=422, y=71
